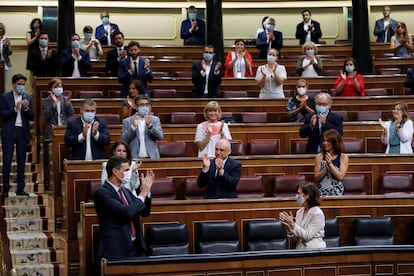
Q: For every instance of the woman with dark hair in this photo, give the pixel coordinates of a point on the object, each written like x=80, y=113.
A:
x=5, y=53
x=331, y=164
x=349, y=82
x=128, y=105
x=398, y=132
x=401, y=42
x=32, y=36
x=308, y=228
x=131, y=179
x=239, y=64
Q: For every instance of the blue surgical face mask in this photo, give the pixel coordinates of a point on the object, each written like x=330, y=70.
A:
x=271, y=59
x=321, y=109
x=89, y=116
x=300, y=200
x=88, y=35
x=143, y=110
x=75, y=44
x=207, y=56
x=349, y=68
x=105, y=20
x=270, y=27
x=58, y=91
x=192, y=16
x=20, y=89
x=310, y=52
x=43, y=42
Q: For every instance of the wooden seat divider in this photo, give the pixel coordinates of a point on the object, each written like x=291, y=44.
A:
x=79, y=173
x=346, y=209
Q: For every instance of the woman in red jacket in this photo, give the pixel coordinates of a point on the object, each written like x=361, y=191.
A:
x=239, y=64
x=349, y=82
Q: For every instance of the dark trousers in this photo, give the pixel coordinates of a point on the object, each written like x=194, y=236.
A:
x=13, y=137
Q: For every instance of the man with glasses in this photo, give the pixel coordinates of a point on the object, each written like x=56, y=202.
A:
x=316, y=123
x=142, y=130
x=206, y=75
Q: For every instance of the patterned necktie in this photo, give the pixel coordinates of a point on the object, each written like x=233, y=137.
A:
x=125, y=202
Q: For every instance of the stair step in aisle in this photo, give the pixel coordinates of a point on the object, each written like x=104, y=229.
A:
x=35, y=248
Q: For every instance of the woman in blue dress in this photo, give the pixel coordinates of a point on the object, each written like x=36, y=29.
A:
x=401, y=42
x=331, y=164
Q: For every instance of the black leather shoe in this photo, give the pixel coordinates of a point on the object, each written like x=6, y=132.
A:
x=22, y=193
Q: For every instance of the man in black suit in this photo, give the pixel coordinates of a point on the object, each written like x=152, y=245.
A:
x=118, y=211
x=87, y=135
x=206, y=75
x=75, y=62
x=268, y=39
x=114, y=56
x=16, y=109
x=316, y=123
x=43, y=61
x=220, y=175
x=308, y=29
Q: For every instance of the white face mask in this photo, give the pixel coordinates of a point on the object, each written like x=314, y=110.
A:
x=301, y=90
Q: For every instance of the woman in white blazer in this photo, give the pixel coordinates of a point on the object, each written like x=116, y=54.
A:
x=308, y=228
x=397, y=133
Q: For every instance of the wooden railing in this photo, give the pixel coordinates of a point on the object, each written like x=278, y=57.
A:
x=346, y=209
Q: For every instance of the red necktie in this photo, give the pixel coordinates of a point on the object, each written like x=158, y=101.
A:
x=125, y=202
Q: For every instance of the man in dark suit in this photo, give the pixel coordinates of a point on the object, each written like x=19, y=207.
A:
x=105, y=32
x=87, y=135
x=16, y=109
x=42, y=61
x=308, y=29
x=134, y=67
x=221, y=174
x=114, y=56
x=118, y=211
x=206, y=75
x=409, y=81
x=385, y=27
x=193, y=29
x=74, y=60
x=268, y=39
x=316, y=123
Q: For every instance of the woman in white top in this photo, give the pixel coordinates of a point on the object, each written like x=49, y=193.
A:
x=131, y=178
x=398, y=133
x=210, y=131
x=309, y=65
x=270, y=77
x=308, y=228
x=93, y=46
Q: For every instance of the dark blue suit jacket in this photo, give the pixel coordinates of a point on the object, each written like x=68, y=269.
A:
x=74, y=127
x=221, y=186
x=125, y=77
x=114, y=223
x=315, y=34
x=8, y=115
x=333, y=120
x=380, y=32
x=263, y=46
x=100, y=34
x=199, y=81
x=196, y=38
x=67, y=62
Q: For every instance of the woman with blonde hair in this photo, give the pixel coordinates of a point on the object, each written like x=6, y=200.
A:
x=309, y=65
x=397, y=133
x=210, y=131
x=401, y=42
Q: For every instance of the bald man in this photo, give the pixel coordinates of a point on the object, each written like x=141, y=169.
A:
x=221, y=174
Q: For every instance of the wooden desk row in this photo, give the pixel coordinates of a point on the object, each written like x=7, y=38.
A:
x=275, y=108
x=173, y=67
x=346, y=209
x=78, y=175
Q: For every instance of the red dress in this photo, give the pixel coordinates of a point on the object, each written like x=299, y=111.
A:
x=349, y=86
